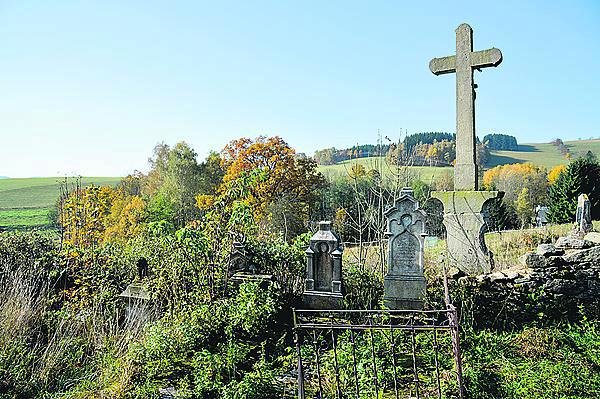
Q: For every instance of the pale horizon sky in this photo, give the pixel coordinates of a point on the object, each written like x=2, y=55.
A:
x=90, y=88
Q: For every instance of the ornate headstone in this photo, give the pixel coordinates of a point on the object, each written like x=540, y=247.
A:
x=323, y=284
x=404, y=283
x=583, y=216
x=464, y=215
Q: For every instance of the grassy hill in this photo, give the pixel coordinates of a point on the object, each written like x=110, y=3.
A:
x=425, y=173
x=543, y=153
x=538, y=153
x=25, y=203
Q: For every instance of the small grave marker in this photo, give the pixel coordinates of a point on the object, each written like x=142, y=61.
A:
x=583, y=216
x=323, y=283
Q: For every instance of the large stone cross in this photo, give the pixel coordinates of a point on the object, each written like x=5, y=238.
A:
x=463, y=64
x=465, y=212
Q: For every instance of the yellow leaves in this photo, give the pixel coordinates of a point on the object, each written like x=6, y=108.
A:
x=555, y=172
x=357, y=171
x=492, y=176
x=92, y=215
x=125, y=219
x=205, y=201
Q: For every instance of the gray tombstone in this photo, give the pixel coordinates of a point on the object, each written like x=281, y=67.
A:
x=404, y=283
x=137, y=296
x=323, y=283
x=583, y=216
x=541, y=216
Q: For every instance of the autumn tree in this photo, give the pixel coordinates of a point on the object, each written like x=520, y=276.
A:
x=512, y=179
x=83, y=213
x=555, y=172
x=290, y=181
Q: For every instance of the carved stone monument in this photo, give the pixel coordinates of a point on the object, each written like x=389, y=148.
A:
x=404, y=283
x=583, y=216
x=323, y=285
x=464, y=212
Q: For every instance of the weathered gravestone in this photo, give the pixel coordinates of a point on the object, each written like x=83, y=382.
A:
x=323, y=283
x=464, y=208
x=241, y=269
x=583, y=216
x=541, y=216
x=404, y=283
x=136, y=294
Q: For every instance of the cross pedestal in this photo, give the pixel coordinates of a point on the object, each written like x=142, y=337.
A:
x=465, y=221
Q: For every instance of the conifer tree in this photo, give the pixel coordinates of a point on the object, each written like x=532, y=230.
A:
x=580, y=177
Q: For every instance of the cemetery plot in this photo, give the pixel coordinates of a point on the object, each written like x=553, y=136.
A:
x=378, y=353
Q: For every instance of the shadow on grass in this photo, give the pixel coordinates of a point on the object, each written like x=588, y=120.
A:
x=528, y=148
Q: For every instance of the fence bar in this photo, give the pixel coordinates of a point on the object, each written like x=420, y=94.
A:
x=353, y=344
x=336, y=365
x=437, y=365
x=374, y=360
x=317, y=360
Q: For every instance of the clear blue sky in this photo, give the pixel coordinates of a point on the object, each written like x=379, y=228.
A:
x=90, y=87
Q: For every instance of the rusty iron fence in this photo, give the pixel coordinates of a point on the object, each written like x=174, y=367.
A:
x=378, y=354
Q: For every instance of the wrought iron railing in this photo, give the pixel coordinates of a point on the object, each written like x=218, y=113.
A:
x=378, y=353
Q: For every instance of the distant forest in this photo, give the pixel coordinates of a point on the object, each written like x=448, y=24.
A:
x=498, y=141
x=424, y=147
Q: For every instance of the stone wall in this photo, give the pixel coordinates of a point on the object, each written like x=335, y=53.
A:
x=558, y=282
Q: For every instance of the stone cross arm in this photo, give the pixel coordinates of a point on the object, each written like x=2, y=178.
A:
x=478, y=59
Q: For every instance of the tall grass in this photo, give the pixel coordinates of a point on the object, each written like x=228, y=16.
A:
x=46, y=353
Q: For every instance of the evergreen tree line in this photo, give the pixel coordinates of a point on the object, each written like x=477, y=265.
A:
x=497, y=141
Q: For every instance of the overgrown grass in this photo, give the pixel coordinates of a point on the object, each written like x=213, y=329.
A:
x=508, y=246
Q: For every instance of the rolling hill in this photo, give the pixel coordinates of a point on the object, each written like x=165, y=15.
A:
x=543, y=154
x=25, y=203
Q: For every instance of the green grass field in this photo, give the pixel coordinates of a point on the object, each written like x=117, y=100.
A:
x=390, y=172
x=26, y=203
x=543, y=154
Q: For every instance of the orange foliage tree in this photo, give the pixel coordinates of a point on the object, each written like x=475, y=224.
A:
x=289, y=184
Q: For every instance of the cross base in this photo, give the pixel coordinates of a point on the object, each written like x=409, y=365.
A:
x=464, y=219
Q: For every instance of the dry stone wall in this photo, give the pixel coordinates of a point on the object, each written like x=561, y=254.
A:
x=557, y=282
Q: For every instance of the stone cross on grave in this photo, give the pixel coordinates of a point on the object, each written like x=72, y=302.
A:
x=463, y=64
x=464, y=209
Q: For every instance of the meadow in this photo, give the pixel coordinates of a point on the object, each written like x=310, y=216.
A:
x=26, y=203
x=543, y=154
x=388, y=171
